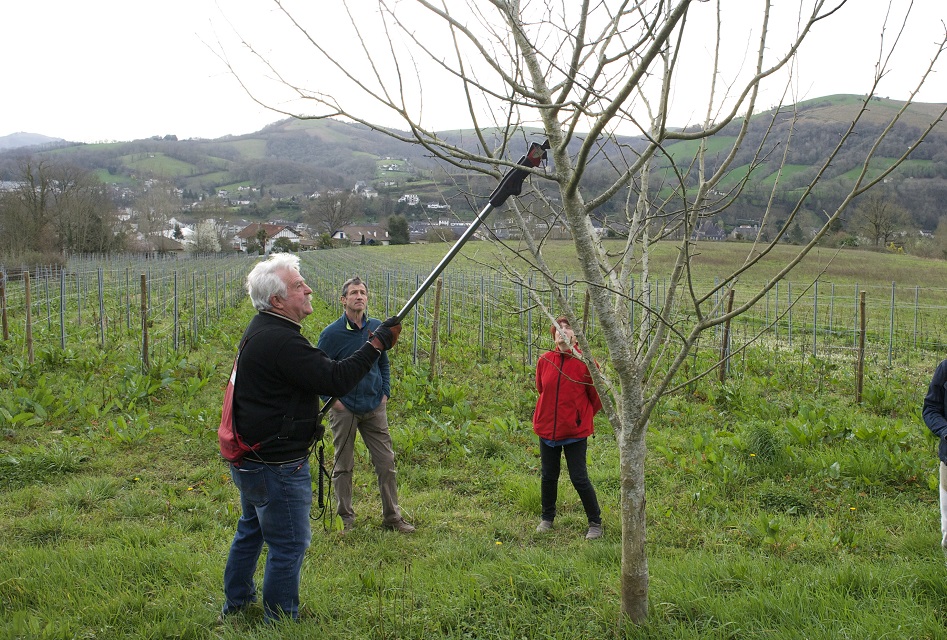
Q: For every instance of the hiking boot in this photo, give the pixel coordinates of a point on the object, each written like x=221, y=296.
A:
x=595, y=531
x=544, y=526
x=400, y=525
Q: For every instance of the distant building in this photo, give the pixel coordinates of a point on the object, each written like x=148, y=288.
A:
x=745, y=232
x=273, y=233
x=708, y=230
x=371, y=234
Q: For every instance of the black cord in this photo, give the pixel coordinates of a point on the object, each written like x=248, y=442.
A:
x=329, y=474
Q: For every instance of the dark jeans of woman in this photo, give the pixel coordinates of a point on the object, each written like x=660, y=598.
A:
x=550, y=458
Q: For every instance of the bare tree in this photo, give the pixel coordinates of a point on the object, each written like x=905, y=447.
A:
x=57, y=208
x=83, y=214
x=880, y=219
x=155, y=207
x=26, y=211
x=331, y=210
x=584, y=73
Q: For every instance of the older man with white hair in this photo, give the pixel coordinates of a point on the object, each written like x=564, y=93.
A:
x=279, y=380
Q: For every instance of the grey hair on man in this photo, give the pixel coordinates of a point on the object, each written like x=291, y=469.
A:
x=264, y=280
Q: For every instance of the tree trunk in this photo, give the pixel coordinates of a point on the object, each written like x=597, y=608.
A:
x=634, y=557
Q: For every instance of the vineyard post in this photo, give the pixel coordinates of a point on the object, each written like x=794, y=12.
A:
x=29, y=315
x=128, y=302
x=860, y=366
x=79, y=297
x=585, y=312
x=450, y=308
x=891, y=328
x=434, y=325
x=144, y=323
x=49, y=307
x=62, y=308
x=483, y=302
x=177, y=329
x=3, y=305
x=725, y=342
x=414, y=335
x=519, y=305
x=101, y=284
x=529, y=327
x=194, y=318
x=917, y=299
x=815, y=316
x=789, y=312
x=776, y=312
x=855, y=328
x=831, y=307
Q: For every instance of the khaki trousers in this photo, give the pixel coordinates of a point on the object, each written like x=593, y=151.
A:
x=374, y=429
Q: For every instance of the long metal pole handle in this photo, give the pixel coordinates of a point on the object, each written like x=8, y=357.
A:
x=510, y=185
x=444, y=262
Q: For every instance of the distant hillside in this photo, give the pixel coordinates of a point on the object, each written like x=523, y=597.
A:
x=23, y=139
x=295, y=158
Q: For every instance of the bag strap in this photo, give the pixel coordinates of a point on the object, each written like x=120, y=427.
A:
x=233, y=374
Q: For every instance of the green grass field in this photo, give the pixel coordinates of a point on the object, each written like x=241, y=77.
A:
x=777, y=507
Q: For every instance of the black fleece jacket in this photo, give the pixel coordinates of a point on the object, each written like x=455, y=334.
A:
x=279, y=368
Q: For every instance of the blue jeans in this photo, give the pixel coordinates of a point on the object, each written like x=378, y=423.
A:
x=575, y=454
x=276, y=500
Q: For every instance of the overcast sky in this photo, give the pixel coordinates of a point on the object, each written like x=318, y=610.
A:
x=104, y=70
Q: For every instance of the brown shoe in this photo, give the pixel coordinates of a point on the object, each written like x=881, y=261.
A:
x=400, y=525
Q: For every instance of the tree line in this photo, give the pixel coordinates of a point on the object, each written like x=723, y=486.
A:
x=54, y=209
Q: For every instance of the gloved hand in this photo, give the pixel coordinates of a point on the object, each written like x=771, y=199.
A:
x=386, y=336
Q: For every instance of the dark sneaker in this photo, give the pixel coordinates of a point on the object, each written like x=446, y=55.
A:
x=595, y=531
x=544, y=526
x=401, y=526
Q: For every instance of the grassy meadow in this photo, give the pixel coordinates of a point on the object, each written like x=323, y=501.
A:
x=777, y=507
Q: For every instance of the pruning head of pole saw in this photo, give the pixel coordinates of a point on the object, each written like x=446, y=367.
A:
x=512, y=182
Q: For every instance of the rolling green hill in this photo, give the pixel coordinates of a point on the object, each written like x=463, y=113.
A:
x=295, y=158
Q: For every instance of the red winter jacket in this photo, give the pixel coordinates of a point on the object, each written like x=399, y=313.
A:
x=567, y=398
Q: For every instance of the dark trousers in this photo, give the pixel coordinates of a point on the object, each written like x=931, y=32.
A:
x=550, y=458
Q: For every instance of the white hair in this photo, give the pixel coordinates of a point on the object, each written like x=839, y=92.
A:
x=264, y=280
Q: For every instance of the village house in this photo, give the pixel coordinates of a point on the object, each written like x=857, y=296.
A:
x=745, y=232
x=273, y=232
x=708, y=230
x=371, y=234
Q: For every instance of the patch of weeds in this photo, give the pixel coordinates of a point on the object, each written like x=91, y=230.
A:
x=87, y=494
x=782, y=499
x=766, y=531
x=40, y=464
x=128, y=429
x=762, y=442
x=49, y=528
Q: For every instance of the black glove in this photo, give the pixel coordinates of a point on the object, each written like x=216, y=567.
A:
x=386, y=336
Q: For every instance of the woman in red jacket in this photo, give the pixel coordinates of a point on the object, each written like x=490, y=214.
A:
x=563, y=421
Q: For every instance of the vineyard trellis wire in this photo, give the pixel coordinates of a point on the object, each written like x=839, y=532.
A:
x=99, y=297
x=494, y=314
